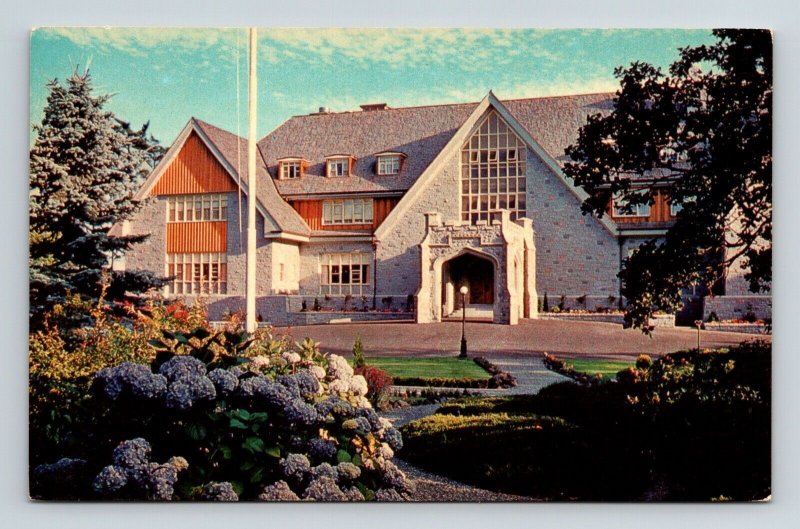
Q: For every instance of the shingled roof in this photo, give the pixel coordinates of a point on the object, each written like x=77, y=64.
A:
x=234, y=149
x=418, y=132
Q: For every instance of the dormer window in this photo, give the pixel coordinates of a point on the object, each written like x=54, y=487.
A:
x=389, y=162
x=339, y=165
x=291, y=168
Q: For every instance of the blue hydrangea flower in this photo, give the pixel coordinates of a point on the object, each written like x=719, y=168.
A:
x=324, y=469
x=300, y=412
x=276, y=395
x=324, y=488
x=188, y=391
x=153, y=386
x=64, y=465
x=394, y=438
x=225, y=381
x=322, y=449
x=363, y=425
x=347, y=472
x=109, y=480
x=131, y=454
x=290, y=383
x=182, y=366
x=295, y=466
x=115, y=380
x=278, y=491
x=219, y=492
x=250, y=386
x=371, y=416
x=238, y=371
x=336, y=406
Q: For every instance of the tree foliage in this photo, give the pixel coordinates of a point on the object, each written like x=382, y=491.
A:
x=85, y=167
x=705, y=130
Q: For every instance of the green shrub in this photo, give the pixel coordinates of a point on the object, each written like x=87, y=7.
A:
x=358, y=353
x=690, y=426
x=271, y=427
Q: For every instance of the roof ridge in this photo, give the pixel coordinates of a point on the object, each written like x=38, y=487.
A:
x=441, y=105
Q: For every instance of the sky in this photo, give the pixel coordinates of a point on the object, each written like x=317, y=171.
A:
x=165, y=76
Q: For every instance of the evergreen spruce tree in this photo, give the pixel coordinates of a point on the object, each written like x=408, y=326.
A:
x=85, y=167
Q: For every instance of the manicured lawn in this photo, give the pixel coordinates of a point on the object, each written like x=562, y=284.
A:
x=592, y=366
x=692, y=427
x=430, y=367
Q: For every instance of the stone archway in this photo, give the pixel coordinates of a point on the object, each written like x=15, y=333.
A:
x=470, y=270
x=495, y=261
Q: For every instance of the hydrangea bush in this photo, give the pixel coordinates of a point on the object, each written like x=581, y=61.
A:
x=287, y=423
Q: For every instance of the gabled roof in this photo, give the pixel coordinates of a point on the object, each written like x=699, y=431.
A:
x=460, y=136
x=234, y=149
x=231, y=151
x=418, y=132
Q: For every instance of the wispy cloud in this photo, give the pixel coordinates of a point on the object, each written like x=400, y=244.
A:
x=393, y=48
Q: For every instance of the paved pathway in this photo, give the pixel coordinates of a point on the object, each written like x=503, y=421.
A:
x=562, y=338
x=531, y=376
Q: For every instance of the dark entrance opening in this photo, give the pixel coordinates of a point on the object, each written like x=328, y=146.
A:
x=476, y=273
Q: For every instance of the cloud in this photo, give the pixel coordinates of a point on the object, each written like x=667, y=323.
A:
x=392, y=48
x=137, y=41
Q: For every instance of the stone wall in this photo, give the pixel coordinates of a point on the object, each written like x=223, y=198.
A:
x=237, y=251
x=149, y=255
x=737, y=307
x=575, y=254
x=398, y=252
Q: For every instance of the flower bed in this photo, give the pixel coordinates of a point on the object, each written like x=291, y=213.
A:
x=498, y=379
x=687, y=427
x=289, y=423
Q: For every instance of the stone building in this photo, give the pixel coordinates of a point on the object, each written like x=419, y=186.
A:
x=395, y=209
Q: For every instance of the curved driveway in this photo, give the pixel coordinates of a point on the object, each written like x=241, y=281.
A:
x=564, y=338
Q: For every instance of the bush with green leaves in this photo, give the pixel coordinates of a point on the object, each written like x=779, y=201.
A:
x=288, y=423
x=687, y=426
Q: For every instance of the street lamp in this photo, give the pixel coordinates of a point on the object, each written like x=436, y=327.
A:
x=463, y=291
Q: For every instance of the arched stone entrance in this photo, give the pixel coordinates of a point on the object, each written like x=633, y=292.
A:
x=470, y=270
x=496, y=262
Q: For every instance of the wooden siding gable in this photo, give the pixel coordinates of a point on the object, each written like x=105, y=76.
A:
x=195, y=170
x=197, y=237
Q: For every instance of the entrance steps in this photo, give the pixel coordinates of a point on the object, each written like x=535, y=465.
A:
x=474, y=312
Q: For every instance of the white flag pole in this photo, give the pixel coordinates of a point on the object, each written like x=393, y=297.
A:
x=252, y=97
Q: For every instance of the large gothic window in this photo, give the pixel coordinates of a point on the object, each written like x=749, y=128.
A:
x=492, y=172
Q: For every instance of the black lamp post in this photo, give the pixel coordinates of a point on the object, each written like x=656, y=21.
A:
x=463, y=291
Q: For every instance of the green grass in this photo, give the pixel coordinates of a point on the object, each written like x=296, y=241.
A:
x=592, y=366
x=423, y=367
x=701, y=432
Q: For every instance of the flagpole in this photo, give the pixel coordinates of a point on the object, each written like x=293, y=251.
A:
x=252, y=97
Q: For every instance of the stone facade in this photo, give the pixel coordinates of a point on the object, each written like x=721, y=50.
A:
x=575, y=254
x=508, y=246
x=552, y=249
x=150, y=220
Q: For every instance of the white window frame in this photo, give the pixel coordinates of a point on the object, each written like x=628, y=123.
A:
x=620, y=210
x=291, y=169
x=675, y=207
x=347, y=211
x=493, y=172
x=338, y=166
x=345, y=273
x=208, y=207
x=389, y=164
x=195, y=274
